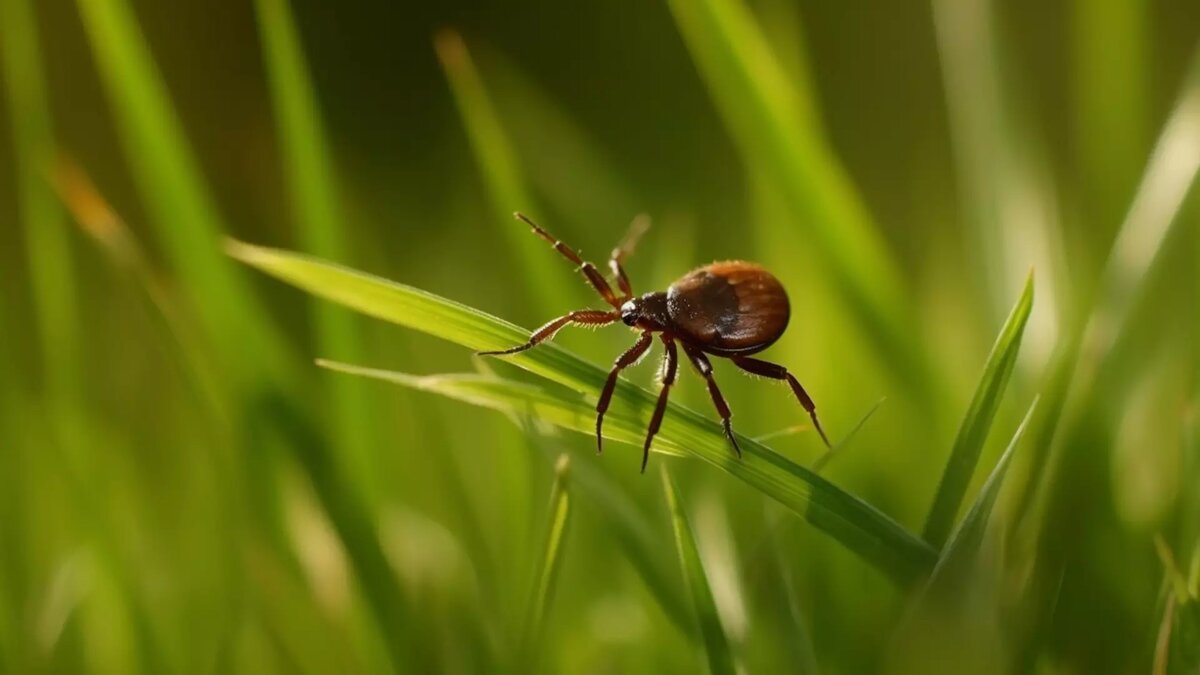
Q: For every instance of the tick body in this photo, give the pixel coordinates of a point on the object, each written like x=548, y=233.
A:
x=727, y=309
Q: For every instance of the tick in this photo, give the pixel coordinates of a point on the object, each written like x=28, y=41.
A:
x=727, y=309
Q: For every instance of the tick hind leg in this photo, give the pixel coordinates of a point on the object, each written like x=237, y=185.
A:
x=778, y=372
x=670, y=366
x=623, y=361
x=704, y=367
x=583, y=317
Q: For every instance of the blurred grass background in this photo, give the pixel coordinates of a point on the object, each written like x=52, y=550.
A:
x=181, y=490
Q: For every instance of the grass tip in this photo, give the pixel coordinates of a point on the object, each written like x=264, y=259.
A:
x=450, y=48
x=562, y=467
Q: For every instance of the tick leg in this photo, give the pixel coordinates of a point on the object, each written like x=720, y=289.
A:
x=636, y=229
x=589, y=270
x=583, y=317
x=778, y=372
x=623, y=361
x=704, y=367
x=670, y=365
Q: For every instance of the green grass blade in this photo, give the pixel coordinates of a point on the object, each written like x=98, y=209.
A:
x=170, y=183
x=311, y=184
x=716, y=644
x=502, y=175
x=964, y=542
x=552, y=551
x=974, y=430
x=857, y=525
x=774, y=121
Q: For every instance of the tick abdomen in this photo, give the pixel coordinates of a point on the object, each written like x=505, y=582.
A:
x=729, y=307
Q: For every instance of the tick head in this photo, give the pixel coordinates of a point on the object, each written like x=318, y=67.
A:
x=630, y=312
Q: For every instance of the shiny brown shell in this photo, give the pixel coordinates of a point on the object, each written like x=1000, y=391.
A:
x=729, y=308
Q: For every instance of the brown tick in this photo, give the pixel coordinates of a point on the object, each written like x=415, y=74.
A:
x=728, y=309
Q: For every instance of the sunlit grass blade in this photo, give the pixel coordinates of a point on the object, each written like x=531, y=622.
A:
x=856, y=524
x=551, y=561
x=169, y=181
x=501, y=170
x=774, y=120
x=978, y=421
x=716, y=643
x=312, y=188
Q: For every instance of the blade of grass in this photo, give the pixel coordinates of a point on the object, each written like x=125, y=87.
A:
x=978, y=421
x=819, y=463
x=626, y=519
x=170, y=183
x=775, y=123
x=552, y=551
x=628, y=525
x=964, y=542
x=716, y=644
x=501, y=171
x=311, y=184
x=857, y=525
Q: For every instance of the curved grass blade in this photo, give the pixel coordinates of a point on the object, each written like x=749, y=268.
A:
x=543, y=591
x=716, y=644
x=857, y=525
x=978, y=420
x=774, y=120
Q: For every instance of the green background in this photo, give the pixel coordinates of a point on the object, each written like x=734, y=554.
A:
x=183, y=490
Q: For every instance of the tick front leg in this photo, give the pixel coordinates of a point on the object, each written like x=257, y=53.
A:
x=583, y=317
x=670, y=366
x=589, y=270
x=704, y=367
x=778, y=372
x=623, y=361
